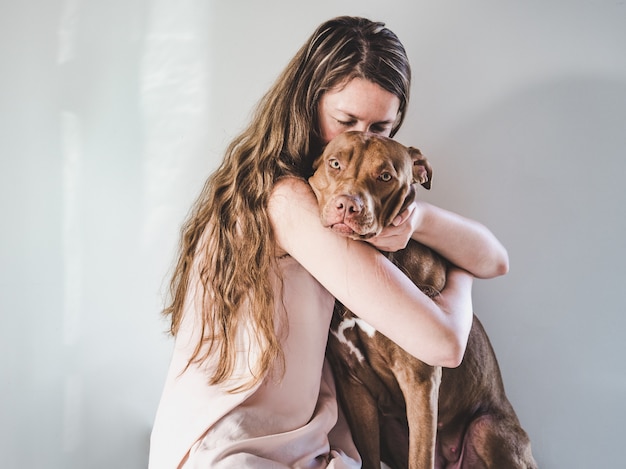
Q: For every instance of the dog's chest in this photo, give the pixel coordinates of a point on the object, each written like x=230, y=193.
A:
x=348, y=333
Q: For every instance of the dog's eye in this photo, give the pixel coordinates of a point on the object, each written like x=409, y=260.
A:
x=385, y=177
x=334, y=163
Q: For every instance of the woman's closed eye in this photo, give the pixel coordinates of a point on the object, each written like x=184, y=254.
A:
x=375, y=129
x=382, y=129
x=350, y=123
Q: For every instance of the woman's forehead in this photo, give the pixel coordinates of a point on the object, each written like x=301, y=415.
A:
x=363, y=99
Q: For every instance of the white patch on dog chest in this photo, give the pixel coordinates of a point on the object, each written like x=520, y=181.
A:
x=365, y=327
x=349, y=324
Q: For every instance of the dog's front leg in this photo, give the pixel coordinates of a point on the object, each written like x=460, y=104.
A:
x=420, y=386
x=361, y=412
x=367, y=438
x=357, y=387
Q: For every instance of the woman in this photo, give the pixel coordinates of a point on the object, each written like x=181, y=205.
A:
x=257, y=276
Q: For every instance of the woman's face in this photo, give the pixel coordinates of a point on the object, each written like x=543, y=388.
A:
x=359, y=105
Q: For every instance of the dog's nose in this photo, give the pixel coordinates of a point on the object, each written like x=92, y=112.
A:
x=350, y=205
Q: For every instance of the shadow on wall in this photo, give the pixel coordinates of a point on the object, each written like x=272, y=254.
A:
x=544, y=170
x=104, y=306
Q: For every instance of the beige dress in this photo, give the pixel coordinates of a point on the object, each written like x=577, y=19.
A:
x=291, y=422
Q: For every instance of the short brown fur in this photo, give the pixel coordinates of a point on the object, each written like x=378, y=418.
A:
x=400, y=410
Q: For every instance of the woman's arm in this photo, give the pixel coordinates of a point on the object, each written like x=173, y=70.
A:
x=367, y=283
x=464, y=242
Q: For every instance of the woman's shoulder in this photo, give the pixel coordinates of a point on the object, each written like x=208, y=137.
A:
x=288, y=193
x=291, y=185
x=293, y=211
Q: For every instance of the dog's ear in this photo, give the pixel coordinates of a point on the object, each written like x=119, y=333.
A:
x=422, y=170
x=316, y=162
x=318, y=151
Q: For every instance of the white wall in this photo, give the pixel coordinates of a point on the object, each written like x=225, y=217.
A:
x=112, y=114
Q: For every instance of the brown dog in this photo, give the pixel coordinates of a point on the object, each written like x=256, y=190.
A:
x=400, y=410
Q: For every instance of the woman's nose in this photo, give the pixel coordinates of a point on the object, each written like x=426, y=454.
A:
x=361, y=126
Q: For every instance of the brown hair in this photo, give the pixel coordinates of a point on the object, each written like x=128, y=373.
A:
x=231, y=211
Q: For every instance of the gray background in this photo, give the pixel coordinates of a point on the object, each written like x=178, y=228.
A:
x=113, y=113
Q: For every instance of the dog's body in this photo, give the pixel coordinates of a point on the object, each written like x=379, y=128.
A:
x=402, y=411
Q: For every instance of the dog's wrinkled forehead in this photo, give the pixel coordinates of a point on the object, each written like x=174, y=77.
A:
x=354, y=144
x=358, y=141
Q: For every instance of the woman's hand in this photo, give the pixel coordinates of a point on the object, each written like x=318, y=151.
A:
x=396, y=236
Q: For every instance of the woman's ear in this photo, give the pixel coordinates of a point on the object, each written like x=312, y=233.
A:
x=422, y=171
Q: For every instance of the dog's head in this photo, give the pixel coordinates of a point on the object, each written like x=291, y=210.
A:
x=362, y=181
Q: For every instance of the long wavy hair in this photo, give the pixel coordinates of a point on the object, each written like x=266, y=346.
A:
x=231, y=211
